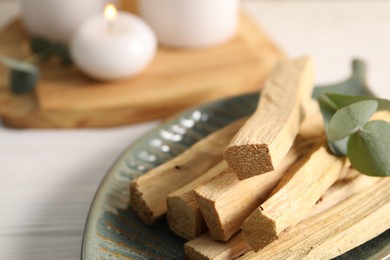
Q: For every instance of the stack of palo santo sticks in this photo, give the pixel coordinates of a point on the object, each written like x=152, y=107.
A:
x=267, y=187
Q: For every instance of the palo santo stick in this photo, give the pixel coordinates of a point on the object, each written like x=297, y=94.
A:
x=266, y=137
x=312, y=125
x=204, y=247
x=149, y=191
x=347, y=225
x=343, y=189
x=298, y=191
x=295, y=194
x=226, y=202
x=184, y=216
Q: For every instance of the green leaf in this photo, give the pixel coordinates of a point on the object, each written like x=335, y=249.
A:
x=44, y=49
x=339, y=148
x=368, y=149
x=23, y=77
x=355, y=85
x=328, y=109
x=63, y=52
x=331, y=102
x=41, y=47
x=350, y=119
x=340, y=100
x=23, y=81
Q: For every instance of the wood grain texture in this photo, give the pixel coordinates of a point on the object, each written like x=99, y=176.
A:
x=335, y=231
x=226, y=202
x=149, y=192
x=293, y=198
x=205, y=248
x=312, y=125
x=351, y=184
x=265, y=139
x=175, y=80
x=183, y=215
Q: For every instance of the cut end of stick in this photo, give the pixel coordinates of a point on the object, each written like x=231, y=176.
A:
x=249, y=160
x=185, y=217
x=258, y=230
x=211, y=216
x=204, y=247
x=139, y=206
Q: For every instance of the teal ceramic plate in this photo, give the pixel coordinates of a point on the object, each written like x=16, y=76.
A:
x=114, y=232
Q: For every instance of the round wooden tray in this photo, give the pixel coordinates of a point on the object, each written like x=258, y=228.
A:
x=176, y=79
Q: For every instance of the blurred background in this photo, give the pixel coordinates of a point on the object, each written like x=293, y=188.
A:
x=332, y=31
x=48, y=177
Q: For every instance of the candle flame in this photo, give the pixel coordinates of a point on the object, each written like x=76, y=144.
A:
x=110, y=11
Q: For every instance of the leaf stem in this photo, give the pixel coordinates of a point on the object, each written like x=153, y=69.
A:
x=330, y=104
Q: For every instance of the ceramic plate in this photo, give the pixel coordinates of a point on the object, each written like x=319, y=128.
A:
x=114, y=232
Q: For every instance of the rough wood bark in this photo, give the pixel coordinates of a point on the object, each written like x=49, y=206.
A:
x=266, y=137
x=149, y=191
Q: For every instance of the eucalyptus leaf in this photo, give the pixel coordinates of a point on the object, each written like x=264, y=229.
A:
x=23, y=76
x=23, y=81
x=46, y=49
x=63, y=52
x=41, y=47
x=340, y=147
x=340, y=100
x=16, y=64
x=331, y=102
x=368, y=149
x=350, y=119
x=355, y=85
x=328, y=109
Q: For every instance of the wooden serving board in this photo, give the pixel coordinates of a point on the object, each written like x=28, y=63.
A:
x=176, y=79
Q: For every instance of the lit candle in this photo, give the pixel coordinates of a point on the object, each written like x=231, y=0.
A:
x=191, y=23
x=57, y=20
x=114, y=46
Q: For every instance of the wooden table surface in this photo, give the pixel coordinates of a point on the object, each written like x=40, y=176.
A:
x=48, y=178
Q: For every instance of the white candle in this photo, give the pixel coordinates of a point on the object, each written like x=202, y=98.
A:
x=57, y=20
x=113, y=46
x=191, y=23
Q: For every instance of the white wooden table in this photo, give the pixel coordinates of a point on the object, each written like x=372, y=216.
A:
x=48, y=177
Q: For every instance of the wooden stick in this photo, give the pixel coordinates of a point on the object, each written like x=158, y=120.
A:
x=266, y=137
x=226, y=202
x=312, y=125
x=184, y=215
x=295, y=194
x=204, y=247
x=149, y=191
x=293, y=198
x=347, y=225
x=341, y=190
